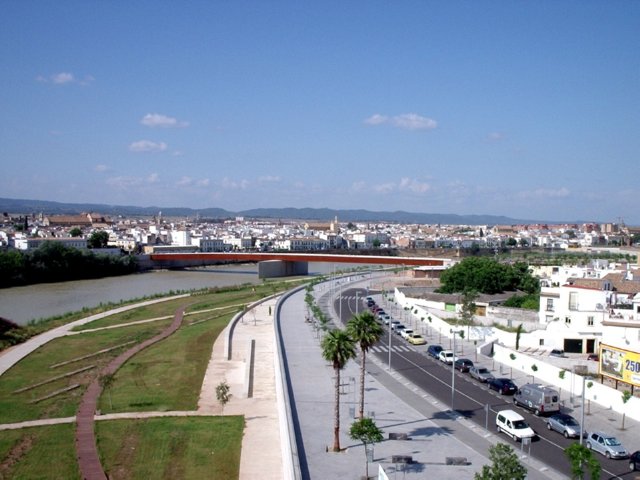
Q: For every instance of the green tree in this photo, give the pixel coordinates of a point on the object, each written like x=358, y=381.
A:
x=366, y=332
x=580, y=457
x=75, y=232
x=468, y=307
x=518, y=335
x=511, y=242
x=486, y=275
x=375, y=243
x=626, y=396
x=98, y=239
x=366, y=431
x=337, y=348
x=504, y=465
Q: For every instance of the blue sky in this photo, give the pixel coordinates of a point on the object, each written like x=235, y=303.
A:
x=525, y=109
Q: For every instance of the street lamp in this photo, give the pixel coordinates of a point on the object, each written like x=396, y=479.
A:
x=453, y=365
x=389, y=346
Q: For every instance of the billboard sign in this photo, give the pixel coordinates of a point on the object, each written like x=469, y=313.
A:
x=619, y=364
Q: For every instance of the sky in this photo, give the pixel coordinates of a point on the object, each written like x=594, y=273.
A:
x=524, y=109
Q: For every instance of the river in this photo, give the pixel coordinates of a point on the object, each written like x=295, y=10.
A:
x=22, y=304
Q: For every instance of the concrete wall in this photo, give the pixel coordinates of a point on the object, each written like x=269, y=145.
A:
x=550, y=375
x=280, y=268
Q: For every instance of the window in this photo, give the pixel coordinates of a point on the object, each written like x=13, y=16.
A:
x=541, y=341
x=573, y=300
x=549, y=304
x=548, y=318
x=590, y=321
x=567, y=319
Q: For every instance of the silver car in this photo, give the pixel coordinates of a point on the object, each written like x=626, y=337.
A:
x=564, y=424
x=482, y=374
x=607, y=445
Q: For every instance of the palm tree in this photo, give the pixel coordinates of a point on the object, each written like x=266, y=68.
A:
x=366, y=332
x=337, y=348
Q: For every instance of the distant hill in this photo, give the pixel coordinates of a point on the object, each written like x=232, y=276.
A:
x=14, y=206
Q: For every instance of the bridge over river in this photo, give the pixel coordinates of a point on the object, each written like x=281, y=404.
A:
x=286, y=264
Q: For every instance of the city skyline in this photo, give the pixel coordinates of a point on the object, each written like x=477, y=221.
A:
x=523, y=110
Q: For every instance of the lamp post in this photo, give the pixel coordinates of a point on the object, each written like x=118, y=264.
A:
x=357, y=302
x=453, y=366
x=389, y=368
x=584, y=379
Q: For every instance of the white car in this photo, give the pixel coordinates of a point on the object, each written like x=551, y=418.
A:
x=406, y=333
x=514, y=425
x=446, y=356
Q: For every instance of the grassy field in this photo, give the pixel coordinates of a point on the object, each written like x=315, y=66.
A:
x=36, y=368
x=168, y=375
x=165, y=376
x=175, y=448
x=39, y=453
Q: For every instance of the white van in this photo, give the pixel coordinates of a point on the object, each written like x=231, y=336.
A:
x=514, y=425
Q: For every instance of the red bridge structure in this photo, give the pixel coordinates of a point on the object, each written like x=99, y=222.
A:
x=285, y=264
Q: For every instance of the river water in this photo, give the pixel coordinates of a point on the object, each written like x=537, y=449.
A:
x=21, y=304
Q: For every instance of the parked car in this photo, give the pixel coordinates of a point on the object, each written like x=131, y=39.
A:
x=634, y=461
x=593, y=356
x=564, y=424
x=607, y=445
x=514, y=425
x=406, y=333
x=504, y=386
x=538, y=398
x=416, y=339
x=434, y=351
x=446, y=356
x=482, y=374
x=557, y=353
x=393, y=324
x=463, y=364
x=396, y=327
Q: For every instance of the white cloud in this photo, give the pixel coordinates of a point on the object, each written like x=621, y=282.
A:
x=65, y=78
x=184, y=182
x=406, y=121
x=230, y=184
x=62, y=78
x=131, y=183
x=413, y=185
x=101, y=168
x=269, y=179
x=203, y=182
x=359, y=186
x=123, y=183
x=385, y=187
x=546, y=193
x=412, y=121
x=376, y=119
x=147, y=146
x=164, y=121
x=495, y=136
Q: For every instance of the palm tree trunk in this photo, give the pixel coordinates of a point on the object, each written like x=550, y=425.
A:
x=363, y=356
x=336, y=413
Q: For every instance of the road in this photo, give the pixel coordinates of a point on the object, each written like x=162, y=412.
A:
x=471, y=397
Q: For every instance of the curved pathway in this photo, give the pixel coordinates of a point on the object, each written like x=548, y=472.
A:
x=86, y=448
